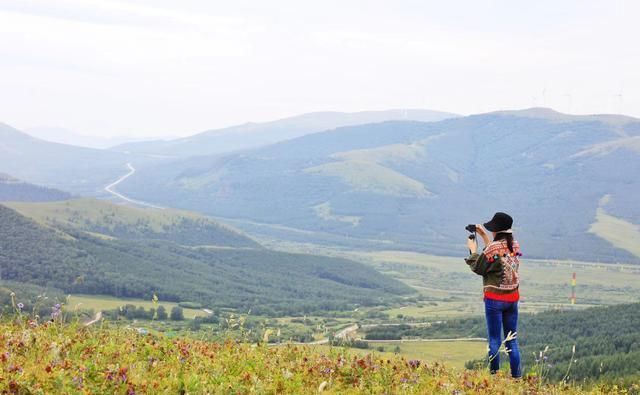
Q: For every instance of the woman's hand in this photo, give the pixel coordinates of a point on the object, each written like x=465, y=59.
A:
x=473, y=248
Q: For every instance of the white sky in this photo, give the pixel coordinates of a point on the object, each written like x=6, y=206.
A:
x=160, y=67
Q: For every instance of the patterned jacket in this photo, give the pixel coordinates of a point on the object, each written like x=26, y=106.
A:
x=499, y=270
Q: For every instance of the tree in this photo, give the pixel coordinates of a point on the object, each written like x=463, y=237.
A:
x=162, y=313
x=177, y=313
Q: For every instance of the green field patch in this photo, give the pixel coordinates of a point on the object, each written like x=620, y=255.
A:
x=100, y=303
x=367, y=176
x=452, y=353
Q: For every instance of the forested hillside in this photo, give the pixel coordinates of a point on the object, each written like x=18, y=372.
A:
x=131, y=223
x=14, y=190
x=80, y=262
x=606, y=340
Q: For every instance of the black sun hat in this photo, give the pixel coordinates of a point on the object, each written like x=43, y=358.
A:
x=500, y=222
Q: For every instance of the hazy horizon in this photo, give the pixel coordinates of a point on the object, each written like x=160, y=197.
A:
x=157, y=68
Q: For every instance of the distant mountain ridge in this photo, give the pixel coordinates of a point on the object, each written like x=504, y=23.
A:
x=253, y=135
x=64, y=136
x=66, y=167
x=414, y=185
x=393, y=184
x=87, y=171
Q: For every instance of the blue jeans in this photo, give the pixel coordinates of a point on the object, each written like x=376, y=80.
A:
x=502, y=317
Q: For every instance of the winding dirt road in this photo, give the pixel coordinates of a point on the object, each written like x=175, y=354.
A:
x=110, y=189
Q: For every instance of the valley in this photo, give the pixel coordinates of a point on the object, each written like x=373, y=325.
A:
x=345, y=239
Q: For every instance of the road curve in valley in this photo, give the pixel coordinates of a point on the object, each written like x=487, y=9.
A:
x=110, y=189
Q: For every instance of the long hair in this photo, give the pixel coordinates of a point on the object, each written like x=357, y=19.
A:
x=505, y=236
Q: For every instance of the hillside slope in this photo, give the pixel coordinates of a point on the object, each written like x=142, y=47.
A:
x=130, y=223
x=66, y=167
x=414, y=185
x=79, y=262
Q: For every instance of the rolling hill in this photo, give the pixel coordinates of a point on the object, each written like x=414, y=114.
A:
x=68, y=253
x=252, y=135
x=86, y=171
x=415, y=185
x=110, y=220
x=12, y=189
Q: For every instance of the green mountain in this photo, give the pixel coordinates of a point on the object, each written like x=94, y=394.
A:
x=110, y=220
x=63, y=254
x=12, y=189
x=252, y=135
x=570, y=182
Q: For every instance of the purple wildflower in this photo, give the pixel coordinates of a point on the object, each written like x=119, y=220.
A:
x=55, y=311
x=20, y=306
x=414, y=363
x=78, y=381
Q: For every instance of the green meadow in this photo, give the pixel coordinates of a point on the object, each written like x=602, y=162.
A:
x=100, y=303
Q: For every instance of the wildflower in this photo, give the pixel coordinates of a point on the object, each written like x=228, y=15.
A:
x=56, y=311
x=286, y=374
x=123, y=374
x=414, y=363
x=20, y=306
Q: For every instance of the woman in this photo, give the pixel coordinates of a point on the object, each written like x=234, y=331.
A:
x=498, y=265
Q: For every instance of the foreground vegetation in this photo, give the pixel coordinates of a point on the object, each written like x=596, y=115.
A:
x=57, y=358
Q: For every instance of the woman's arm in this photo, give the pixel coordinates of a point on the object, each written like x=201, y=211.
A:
x=478, y=263
x=483, y=234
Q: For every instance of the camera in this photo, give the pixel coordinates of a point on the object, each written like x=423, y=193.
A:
x=471, y=228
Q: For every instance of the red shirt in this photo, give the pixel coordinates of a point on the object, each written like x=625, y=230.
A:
x=510, y=297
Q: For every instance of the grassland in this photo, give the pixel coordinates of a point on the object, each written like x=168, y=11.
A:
x=451, y=353
x=451, y=289
x=616, y=231
x=97, y=211
x=100, y=303
x=372, y=177
x=56, y=358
